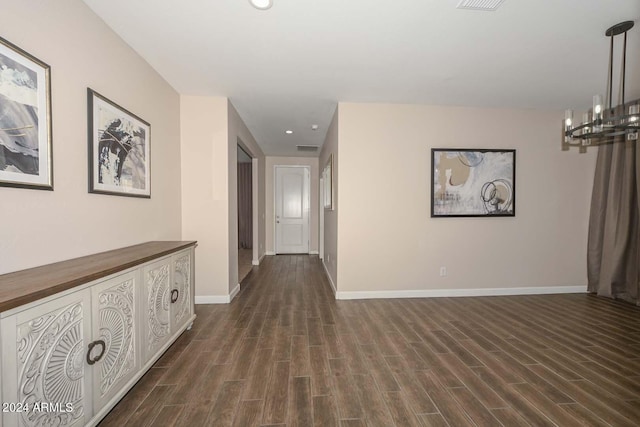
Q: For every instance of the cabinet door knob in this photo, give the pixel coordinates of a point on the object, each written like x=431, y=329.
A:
x=91, y=361
x=174, y=296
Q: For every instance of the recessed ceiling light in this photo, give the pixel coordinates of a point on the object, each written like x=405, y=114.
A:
x=261, y=4
x=288, y=132
x=314, y=127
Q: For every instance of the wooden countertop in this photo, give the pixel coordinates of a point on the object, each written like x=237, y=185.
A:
x=25, y=286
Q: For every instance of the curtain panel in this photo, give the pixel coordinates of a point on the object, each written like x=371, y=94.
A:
x=245, y=207
x=613, y=257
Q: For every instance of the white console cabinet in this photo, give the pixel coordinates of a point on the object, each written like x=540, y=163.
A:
x=168, y=301
x=71, y=353
x=44, y=362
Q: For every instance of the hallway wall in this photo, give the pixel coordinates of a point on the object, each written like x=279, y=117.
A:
x=41, y=227
x=390, y=246
x=331, y=217
x=210, y=131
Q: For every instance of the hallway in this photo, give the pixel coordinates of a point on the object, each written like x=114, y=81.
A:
x=285, y=352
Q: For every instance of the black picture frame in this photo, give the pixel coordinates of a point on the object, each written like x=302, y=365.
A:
x=327, y=176
x=119, y=149
x=26, y=136
x=472, y=182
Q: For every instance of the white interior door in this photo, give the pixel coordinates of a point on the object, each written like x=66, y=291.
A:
x=292, y=210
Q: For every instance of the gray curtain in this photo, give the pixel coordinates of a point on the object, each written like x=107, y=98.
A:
x=613, y=258
x=245, y=202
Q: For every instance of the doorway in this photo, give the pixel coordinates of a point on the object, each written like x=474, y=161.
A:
x=292, y=206
x=245, y=214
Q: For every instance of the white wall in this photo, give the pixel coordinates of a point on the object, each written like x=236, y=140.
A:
x=312, y=162
x=331, y=217
x=386, y=238
x=40, y=227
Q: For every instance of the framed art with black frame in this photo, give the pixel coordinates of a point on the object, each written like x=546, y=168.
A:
x=473, y=182
x=327, y=177
x=119, y=152
x=26, y=158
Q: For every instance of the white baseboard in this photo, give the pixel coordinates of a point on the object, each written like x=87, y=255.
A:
x=258, y=261
x=234, y=292
x=218, y=299
x=439, y=293
x=270, y=253
x=333, y=286
x=314, y=253
x=212, y=299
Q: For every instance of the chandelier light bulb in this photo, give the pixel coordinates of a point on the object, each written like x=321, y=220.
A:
x=568, y=118
x=634, y=112
x=597, y=113
x=568, y=122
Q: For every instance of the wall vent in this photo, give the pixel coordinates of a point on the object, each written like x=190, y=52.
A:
x=307, y=147
x=489, y=5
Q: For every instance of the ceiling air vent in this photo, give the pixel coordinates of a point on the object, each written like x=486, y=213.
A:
x=307, y=148
x=489, y=5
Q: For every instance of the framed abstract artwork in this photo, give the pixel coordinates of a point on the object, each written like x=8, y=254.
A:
x=473, y=182
x=327, y=179
x=118, y=149
x=25, y=120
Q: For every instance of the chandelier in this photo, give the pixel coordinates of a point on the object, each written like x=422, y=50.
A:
x=604, y=123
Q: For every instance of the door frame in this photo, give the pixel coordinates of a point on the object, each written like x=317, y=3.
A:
x=275, y=201
x=321, y=220
x=255, y=218
x=254, y=206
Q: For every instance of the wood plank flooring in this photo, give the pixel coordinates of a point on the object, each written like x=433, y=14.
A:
x=286, y=353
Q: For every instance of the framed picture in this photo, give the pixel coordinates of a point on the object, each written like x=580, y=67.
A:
x=327, y=179
x=118, y=149
x=472, y=182
x=25, y=120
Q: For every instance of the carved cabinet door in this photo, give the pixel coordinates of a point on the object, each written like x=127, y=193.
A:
x=181, y=298
x=45, y=376
x=157, y=286
x=115, y=359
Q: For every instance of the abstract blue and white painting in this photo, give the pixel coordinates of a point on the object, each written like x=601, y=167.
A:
x=470, y=182
x=25, y=144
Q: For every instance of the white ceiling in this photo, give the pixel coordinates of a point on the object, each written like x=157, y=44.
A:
x=287, y=67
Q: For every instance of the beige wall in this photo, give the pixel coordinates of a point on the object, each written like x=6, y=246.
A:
x=205, y=199
x=330, y=237
x=210, y=130
x=238, y=133
x=312, y=162
x=387, y=240
x=39, y=227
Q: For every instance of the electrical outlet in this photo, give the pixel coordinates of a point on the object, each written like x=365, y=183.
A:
x=443, y=271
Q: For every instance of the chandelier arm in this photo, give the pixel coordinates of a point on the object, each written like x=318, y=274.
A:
x=624, y=64
x=610, y=77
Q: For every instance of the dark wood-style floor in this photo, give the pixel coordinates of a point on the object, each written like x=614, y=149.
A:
x=284, y=352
